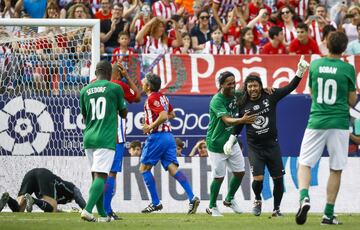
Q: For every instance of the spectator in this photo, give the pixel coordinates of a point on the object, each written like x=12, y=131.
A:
x=353, y=47
x=105, y=10
x=135, y=148
x=254, y=8
x=52, y=11
x=110, y=28
x=199, y=149
x=165, y=9
x=186, y=47
x=220, y=10
x=179, y=147
x=64, y=13
x=7, y=10
x=216, y=45
x=138, y=23
x=156, y=41
x=261, y=26
x=122, y=52
x=288, y=23
x=303, y=44
x=201, y=33
x=323, y=44
x=193, y=18
x=275, y=45
x=233, y=28
x=247, y=45
x=78, y=11
x=350, y=28
x=311, y=6
x=35, y=9
x=317, y=22
x=131, y=9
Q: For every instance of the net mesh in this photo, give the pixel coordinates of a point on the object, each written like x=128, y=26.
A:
x=42, y=70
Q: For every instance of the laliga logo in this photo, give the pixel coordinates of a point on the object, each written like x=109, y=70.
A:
x=25, y=126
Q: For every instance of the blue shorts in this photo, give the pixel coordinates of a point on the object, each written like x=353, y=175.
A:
x=119, y=153
x=159, y=146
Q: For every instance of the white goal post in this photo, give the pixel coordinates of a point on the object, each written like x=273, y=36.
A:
x=94, y=24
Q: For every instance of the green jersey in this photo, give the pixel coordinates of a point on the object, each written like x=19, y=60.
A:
x=218, y=132
x=100, y=103
x=330, y=80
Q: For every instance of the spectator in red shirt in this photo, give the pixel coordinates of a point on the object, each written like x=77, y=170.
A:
x=261, y=26
x=254, y=8
x=232, y=29
x=275, y=45
x=303, y=44
x=121, y=53
x=105, y=10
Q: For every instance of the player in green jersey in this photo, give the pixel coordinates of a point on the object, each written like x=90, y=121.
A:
x=100, y=103
x=223, y=118
x=332, y=87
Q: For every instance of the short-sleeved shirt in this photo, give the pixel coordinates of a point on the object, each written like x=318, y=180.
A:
x=100, y=103
x=269, y=49
x=154, y=105
x=105, y=26
x=330, y=81
x=309, y=48
x=219, y=132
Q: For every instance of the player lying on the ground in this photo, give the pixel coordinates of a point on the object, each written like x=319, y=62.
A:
x=49, y=189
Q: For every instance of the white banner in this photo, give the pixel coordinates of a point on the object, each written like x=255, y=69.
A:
x=132, y=195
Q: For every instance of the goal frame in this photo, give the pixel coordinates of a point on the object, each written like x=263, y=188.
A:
x=93, y=23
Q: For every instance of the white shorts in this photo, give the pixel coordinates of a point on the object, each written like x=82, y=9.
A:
x=314, y=142
x=100, y=159
x=234, y=162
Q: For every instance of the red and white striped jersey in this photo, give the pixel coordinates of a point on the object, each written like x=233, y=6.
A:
x=156, y=46
x=301, y=10
x=162, y=9
x=212, y=48
x=154, y=105
x=225, y=6
x=316, y=32
x=237, y=50
x=289, y=34
x=124, y=56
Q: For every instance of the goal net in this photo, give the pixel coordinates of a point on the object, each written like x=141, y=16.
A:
x=43, y=66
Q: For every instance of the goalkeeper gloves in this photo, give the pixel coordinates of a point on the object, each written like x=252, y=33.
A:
x=302, y=66
x=229, y=144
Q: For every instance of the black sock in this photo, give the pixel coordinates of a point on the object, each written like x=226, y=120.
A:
x=13, y=205
x=257, y=186
x=278, y=192
x=43, y=205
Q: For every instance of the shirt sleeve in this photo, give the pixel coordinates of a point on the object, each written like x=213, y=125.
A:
x=82, y=105
x=219, y=108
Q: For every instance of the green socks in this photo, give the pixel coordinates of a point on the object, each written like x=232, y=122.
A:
x=329, y=210
x=100, y=206
x=214, y=192
x=235, y=182
x=304, y=193
x=95, y=193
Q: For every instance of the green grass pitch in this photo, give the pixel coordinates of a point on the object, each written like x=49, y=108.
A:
x=58, y=221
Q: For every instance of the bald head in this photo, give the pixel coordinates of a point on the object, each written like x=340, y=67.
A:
x=103, y=70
